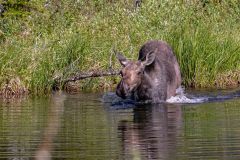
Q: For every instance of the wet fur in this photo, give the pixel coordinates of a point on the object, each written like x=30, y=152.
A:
x=161, y=78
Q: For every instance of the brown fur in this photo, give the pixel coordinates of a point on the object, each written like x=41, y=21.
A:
x=154, y=77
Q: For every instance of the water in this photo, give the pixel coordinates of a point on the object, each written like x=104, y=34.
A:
x=82, y=126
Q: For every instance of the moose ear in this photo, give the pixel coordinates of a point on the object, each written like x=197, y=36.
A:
x=122, y=59
x=150, y=57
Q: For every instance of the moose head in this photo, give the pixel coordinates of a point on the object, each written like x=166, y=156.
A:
x=132, y=73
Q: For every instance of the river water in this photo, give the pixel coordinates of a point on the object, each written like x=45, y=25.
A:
x=97, y=126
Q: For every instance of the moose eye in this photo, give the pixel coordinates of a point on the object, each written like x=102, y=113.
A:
x=121, y=73
x=139, y=72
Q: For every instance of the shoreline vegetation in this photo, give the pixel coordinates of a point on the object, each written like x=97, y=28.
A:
x=43, y=40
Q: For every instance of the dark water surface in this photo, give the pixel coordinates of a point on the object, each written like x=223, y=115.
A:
x=81, y=126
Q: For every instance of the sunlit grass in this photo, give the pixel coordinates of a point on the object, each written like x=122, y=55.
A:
x=61, y=39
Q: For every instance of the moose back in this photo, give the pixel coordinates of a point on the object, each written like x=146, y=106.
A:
x=154, y=77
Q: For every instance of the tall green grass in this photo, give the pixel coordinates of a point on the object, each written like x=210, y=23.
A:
x=60, y=38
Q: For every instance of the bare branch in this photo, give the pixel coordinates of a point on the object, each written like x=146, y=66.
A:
x=82, y=75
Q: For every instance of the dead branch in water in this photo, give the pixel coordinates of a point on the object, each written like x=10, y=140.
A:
x=84, y=75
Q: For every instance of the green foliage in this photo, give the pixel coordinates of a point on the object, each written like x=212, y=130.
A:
x=17, y=7
x=58, y=38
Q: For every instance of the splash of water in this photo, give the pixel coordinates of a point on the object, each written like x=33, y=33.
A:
x=181, y=97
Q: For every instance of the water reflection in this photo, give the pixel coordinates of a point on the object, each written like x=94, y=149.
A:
x=53, y=124
x=153, y=133
x=83, y=127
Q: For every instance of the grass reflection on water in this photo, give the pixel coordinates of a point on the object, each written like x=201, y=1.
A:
x=82, y=127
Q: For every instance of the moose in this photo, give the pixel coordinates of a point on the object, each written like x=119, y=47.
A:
x=153, y=78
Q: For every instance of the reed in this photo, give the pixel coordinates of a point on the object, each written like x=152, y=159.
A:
x=59, y=38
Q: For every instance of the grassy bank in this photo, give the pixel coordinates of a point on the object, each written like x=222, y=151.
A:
x=58, y=38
